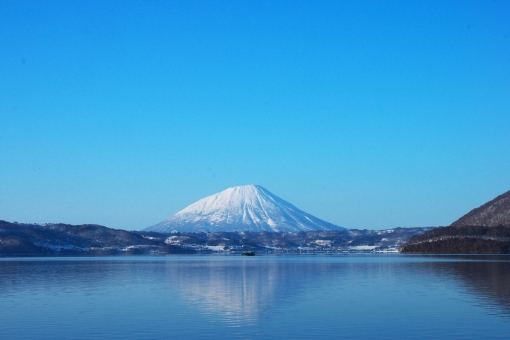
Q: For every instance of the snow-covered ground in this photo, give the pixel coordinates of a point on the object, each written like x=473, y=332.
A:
x=363, y=247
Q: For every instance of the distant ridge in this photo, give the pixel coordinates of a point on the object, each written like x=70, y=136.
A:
x=491, y=214
x=242, y=208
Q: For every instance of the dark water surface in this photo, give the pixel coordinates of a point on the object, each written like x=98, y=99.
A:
x=225, y=297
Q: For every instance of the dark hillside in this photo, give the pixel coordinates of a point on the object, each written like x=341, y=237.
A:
x=461, y=240
x=17, y=239
x=491, y=214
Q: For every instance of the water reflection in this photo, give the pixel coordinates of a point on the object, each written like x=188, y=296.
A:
x=488, y=277
x=241, y=290
x=244, y=291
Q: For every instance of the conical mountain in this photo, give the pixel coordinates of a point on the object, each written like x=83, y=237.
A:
x=242, y=208
x=491, y=214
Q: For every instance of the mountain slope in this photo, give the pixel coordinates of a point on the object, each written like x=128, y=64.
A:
x=491, y=214
x=20, y=239
x=242, y=208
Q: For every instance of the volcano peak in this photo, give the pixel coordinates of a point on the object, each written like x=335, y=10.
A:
x=242, y=208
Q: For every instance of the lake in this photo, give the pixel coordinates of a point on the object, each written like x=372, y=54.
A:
x=355, y=296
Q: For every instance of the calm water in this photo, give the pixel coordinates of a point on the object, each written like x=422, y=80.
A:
x=223, y=297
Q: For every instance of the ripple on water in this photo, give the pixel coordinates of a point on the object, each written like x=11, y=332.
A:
x=365, y=296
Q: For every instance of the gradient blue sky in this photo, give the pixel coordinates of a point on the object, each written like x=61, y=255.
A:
x=368, y=114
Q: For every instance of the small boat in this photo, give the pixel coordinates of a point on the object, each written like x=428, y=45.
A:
x=248, y=253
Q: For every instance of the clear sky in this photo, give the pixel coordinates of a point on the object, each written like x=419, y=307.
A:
x=367, y=114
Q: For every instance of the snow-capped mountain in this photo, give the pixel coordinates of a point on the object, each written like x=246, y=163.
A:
x=242, y=208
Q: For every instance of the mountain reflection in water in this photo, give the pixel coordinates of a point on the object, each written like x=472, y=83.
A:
x=240, y=291
x=357, y=295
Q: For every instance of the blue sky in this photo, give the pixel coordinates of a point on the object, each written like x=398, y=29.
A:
x=368, y=114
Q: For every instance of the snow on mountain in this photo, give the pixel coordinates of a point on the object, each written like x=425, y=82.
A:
x=242, y=208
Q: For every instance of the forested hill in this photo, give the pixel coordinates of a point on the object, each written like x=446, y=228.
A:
x=50, y=239
x=461, y=240
x=483, y=230
x=493, y=213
